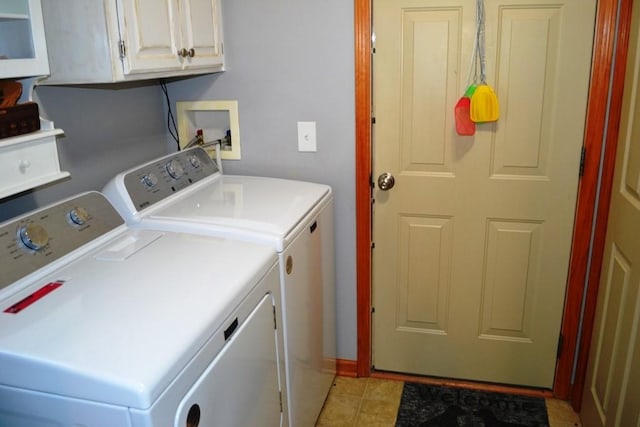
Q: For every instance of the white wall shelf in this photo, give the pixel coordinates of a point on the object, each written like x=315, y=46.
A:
x=29, y=161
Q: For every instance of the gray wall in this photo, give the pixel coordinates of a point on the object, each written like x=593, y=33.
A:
x=290, y=61
x=106, y=129
x=287, y=61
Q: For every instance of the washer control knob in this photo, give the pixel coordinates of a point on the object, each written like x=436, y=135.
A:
x=149, y=180
x=175, y=169
x=78, y=215
x=195, y=162
x=33, y=236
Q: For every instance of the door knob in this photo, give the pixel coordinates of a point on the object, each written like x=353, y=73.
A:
x=386, y=181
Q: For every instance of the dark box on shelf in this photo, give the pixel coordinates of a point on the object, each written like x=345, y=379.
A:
x=19, y=119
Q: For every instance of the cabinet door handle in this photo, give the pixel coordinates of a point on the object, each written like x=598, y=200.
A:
x=182, y=52
x=191, y=53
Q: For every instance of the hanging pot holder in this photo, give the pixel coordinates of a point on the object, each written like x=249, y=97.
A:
x=464, y=125
x=484, y=106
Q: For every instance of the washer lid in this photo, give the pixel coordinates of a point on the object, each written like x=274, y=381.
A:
x=121, y=321
x=269, y=206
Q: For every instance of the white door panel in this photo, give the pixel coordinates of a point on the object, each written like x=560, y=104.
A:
x=473, y=242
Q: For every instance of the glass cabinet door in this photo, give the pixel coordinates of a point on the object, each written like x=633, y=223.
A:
x=23, y=51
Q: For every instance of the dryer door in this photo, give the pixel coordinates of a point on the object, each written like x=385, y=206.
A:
x=240, y=387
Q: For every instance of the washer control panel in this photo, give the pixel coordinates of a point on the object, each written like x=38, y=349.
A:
x=161, y=178
x=31, y=241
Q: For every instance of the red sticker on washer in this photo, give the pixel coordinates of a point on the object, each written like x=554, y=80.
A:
x=27, y=301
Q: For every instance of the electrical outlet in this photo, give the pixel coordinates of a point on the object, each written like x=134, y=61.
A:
x=307, y=136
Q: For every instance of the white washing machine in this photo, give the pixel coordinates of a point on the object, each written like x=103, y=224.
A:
x=102, y=325
x=185, y=192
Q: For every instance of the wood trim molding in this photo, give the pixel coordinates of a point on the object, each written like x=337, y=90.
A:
x=346, y=368
x=603, y=54
x=618, y=59
x=362, y=13
x=497, y=388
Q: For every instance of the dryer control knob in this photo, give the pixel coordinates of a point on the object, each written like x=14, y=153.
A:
x=175, y=169
x=33, y=236
x=149, y=180
x=78, y=215
x=195, y=162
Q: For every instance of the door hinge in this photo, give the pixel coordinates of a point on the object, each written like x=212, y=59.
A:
x=583, y=154
x=373, y=120
x=559, y=352
x=123, y=49
x=373, y=245
x=275, y=324
x=373, y=310
x=281, y=410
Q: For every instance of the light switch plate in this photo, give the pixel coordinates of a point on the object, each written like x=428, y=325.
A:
x=307, y=136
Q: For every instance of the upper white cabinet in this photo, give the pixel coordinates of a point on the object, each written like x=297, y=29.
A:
x=102, y=41
x=23, y=51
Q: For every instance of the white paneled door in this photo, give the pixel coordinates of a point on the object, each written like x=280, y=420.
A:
x=612, y=387
x=472, y=243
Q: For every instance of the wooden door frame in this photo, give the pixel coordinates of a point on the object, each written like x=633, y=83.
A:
x=607, y=79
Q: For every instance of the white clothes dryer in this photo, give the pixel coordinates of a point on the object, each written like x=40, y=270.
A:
x=185, y=192
x=105, y=326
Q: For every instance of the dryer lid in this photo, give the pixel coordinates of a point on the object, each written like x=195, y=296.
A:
x=246, y=204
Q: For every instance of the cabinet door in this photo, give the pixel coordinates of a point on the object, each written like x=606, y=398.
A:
x=23, y=50
x=202, y=32
x=151, y=33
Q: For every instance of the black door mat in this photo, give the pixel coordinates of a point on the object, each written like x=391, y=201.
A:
x=424, y=405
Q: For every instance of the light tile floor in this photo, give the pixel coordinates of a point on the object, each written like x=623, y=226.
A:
x=374, y=402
